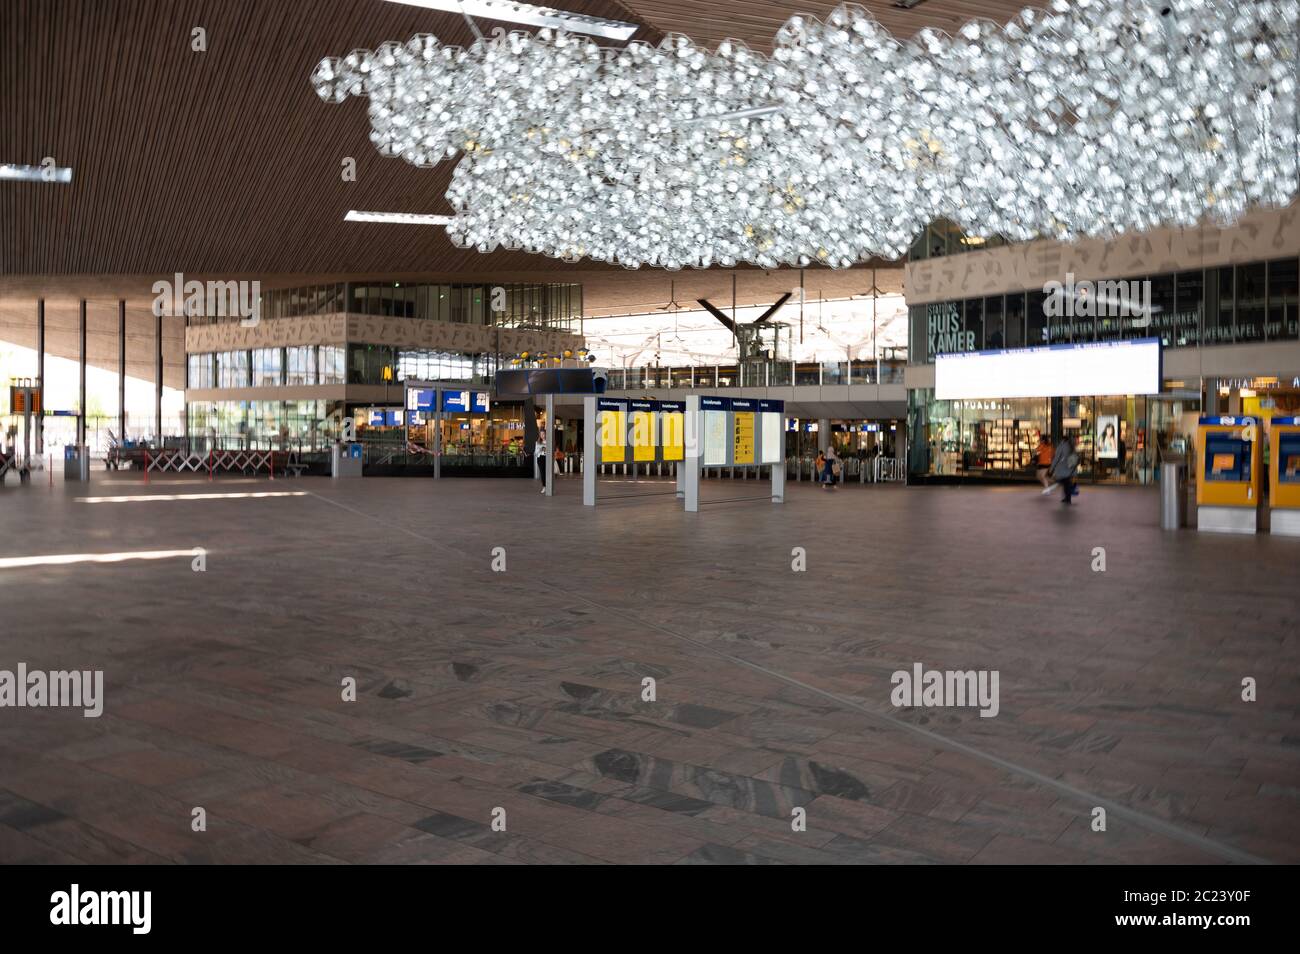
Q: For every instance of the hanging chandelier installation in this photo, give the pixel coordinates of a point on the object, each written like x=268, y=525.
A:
x=1094, y=118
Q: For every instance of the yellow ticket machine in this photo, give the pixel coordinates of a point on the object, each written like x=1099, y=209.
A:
x=1228, y=474
x=1284, y=476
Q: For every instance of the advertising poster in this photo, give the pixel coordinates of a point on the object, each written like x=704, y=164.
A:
x=671, y=424
x=743, y=437
x=1107, y=437
x=643, y=431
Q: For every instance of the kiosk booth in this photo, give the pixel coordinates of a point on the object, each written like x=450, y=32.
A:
x=1284, y=476
x=1228, y=474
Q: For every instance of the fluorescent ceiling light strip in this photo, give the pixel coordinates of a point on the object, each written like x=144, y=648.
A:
x=56, y=559
x=530, y=15
x=398, y=218
x=16, y=173
x=141, y=498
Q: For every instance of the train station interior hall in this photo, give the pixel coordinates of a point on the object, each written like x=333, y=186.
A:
x=649, y=432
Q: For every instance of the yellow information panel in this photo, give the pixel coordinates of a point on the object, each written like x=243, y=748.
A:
x=742, y=441
x=643, y=431
x=613, y=436
x=671, y=422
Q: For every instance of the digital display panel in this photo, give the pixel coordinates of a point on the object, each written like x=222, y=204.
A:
x=1102, y=367
x=420, y=399
x=1227, y=458
x=455, y=401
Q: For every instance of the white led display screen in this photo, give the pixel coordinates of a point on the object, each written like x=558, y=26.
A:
x=1102, y=367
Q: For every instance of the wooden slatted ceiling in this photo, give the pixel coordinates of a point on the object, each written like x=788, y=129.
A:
x=225, y=162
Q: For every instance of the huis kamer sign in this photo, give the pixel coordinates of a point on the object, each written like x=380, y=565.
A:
x=943, y=330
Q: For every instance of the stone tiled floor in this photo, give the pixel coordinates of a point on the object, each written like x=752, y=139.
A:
x=521, y=690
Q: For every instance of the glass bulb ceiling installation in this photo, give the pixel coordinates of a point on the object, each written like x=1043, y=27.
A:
x=1094, y=118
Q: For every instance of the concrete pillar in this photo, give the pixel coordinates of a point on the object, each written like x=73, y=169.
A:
x=158, y=379
x=81, y=357
x=823, y=434
x=121, y=370
x=39, y=420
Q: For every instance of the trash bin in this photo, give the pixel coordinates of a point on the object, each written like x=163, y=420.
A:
x=76, y=462
x=1173, y=495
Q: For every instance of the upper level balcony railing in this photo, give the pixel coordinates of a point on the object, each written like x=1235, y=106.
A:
x=766, y=374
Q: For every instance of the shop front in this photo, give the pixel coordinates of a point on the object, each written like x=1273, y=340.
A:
x=1120, y=438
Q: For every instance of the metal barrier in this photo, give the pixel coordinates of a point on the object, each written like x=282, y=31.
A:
x=243, y=461
x=889, y=469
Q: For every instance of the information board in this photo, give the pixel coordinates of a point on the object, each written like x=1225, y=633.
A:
x=612, y=430
x=742, y=431
x=672, y=417
x=420, y=399
x=772, y=414
x=713, y=431
x=643, y=430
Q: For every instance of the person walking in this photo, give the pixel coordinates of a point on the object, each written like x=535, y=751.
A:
x=1065, y=462
x=539, y=459
x=819, y=465
x=1043, y=456
x=831, y=470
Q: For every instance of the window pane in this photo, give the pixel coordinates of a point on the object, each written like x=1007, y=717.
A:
x=993, y=323
x=1014, y=330
x=1250, y=302
x=1189, y=303
x=974, y=325
x=1035, y=320
x=1162, y=310
x=1282, y=280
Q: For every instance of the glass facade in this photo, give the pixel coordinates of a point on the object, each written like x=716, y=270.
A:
x=1232, y=304
x=942, y=238
x=335, y=364
x=264, y=425
x=552, y=306
x=268, y=367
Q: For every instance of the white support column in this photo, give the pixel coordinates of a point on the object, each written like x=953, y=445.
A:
x=589, y=450
x=549, y=460
x=778, y=483
x=694, y=439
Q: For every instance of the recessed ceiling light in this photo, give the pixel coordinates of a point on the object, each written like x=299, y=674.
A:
x=398, y=218
x=530, y=15
x=15, y=173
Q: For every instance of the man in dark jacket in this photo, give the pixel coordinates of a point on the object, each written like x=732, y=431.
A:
x=1065, y=461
